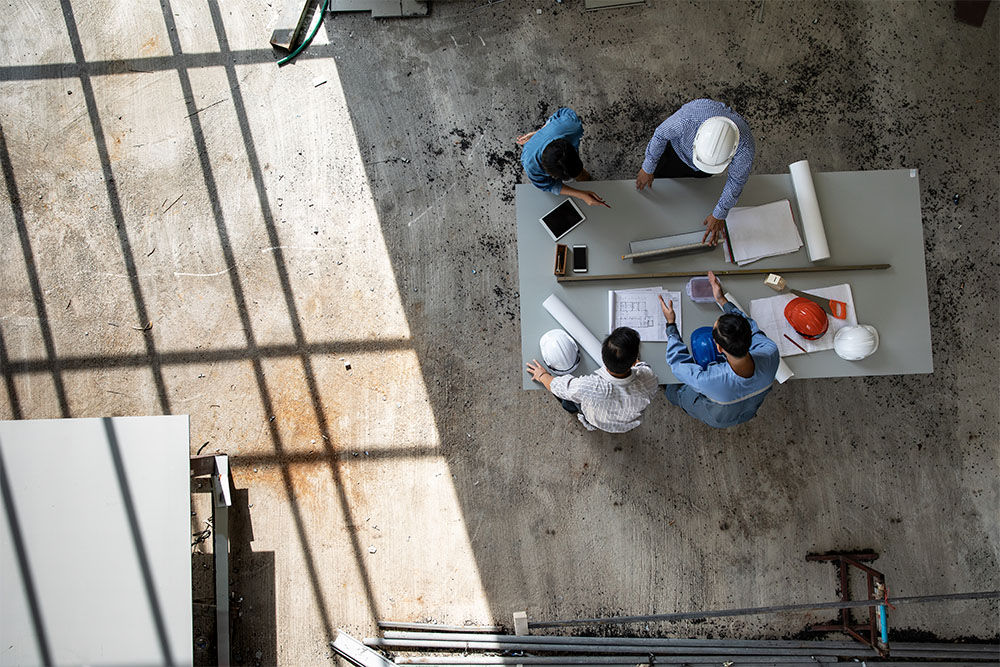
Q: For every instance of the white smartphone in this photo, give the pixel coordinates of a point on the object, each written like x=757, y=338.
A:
x=561, y=220
x=579, y=259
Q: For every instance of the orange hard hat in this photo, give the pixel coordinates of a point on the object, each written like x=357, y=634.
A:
x=807, y=318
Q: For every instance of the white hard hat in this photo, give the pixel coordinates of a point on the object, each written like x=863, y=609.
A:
x=855, y=342
x=715, y=144
x=559, y=352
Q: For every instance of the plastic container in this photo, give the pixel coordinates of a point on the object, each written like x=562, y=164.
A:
x=700, y=290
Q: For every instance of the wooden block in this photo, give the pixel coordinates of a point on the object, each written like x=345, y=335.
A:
x=290, y=24
x=562, y=254
x=775, y=282
x=520, y=623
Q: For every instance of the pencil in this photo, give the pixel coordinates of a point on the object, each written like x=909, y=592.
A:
x=796, y=344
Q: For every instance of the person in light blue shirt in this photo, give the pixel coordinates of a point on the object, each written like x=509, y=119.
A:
x=725, y=393
x=550, y=156
x=702, y=138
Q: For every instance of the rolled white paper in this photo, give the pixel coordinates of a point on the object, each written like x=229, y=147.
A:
x=812, y=221
x=784, y=372
x=574, y=327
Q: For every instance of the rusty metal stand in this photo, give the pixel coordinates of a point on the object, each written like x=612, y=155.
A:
x=867, y=633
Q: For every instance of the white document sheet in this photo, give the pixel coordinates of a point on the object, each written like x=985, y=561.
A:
x=640, y=310
x=762, y=231
x=770, y=316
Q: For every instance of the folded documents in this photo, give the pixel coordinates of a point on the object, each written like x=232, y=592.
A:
x=756, y=232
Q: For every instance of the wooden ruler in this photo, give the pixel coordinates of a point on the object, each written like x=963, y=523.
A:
x=723, y=272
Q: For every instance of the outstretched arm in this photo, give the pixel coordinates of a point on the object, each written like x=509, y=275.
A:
x=586, y=196
x=667, y=130
x=737, y=176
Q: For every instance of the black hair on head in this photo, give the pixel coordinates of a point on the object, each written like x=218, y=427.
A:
x=561, y=161
x=620, y=350
x=732, y=333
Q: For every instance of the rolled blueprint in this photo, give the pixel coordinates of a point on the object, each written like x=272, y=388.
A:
x=784, y=372
x=574, y=327
x=812, y=222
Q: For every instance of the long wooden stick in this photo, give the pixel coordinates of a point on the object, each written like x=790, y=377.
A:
x=723, y=272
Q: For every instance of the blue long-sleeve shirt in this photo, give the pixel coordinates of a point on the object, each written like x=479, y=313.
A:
x=563, y=124
x=731, y=399
x=679, y=131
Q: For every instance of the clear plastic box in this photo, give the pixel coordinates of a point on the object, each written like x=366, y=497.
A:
x=699, y=289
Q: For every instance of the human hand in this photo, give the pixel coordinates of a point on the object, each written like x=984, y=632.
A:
x=536, y=370
x=715, y=228
x=643, y=180
x=716, y=288
x=523, y=139
x=591, y=198
x=668, y=310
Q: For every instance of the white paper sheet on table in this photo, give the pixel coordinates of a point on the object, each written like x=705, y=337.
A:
x=762, y=231
x=640, y=309
x=770, y=316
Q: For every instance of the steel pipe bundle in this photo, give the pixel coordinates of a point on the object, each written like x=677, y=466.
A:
x=477, y=645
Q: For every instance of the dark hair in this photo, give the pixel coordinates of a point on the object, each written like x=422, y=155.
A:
x=561, y=161
x=732, y=333
x=620, y=350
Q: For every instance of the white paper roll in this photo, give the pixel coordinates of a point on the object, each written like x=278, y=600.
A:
x=784, y=372
x=812, y=222
x=574, y=327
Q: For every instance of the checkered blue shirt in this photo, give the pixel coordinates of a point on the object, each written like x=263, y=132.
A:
x=679, y=131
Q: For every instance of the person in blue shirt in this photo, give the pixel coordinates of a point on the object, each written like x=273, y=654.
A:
x=550, y=156
x=725, y=393
x=702, y=138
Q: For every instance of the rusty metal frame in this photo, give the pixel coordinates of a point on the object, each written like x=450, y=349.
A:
x=875, y=582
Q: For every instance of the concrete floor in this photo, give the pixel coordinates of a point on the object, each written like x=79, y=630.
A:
x=272, y=229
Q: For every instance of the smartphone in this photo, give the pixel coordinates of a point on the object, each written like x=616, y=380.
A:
x=579, y=259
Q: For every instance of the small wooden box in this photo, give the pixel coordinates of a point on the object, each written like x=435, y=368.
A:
x=562, y=259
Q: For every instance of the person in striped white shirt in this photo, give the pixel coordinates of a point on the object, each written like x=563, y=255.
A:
x=611, y=399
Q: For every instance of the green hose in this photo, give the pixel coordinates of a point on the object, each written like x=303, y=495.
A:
x=308, y=39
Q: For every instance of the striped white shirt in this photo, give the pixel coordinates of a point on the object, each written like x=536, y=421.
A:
x=608, y=403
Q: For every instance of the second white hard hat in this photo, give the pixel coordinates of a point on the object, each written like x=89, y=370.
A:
x=559, y=352
x=855, y=342
x=715, y=144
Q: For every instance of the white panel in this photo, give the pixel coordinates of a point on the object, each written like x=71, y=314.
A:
x=104, y=511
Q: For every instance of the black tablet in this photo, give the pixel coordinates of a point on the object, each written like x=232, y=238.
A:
x=561, y=220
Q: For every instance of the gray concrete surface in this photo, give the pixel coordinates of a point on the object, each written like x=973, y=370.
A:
x=271, y=228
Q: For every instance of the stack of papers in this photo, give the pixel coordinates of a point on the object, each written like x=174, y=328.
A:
x=756, y=232
x=640, y=310
x=770, y=316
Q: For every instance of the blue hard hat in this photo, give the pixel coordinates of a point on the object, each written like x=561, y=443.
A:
x=703, y=347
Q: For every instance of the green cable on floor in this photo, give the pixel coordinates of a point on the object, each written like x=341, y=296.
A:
x=309, y=38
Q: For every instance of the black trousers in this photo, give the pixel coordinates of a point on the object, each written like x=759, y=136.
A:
x=671, y=166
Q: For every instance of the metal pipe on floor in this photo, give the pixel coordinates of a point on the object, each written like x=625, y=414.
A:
x=434, y=627
x=625, y=641
x=606, y=660
x=751, y=611
x=824, y=646
x=469, y=646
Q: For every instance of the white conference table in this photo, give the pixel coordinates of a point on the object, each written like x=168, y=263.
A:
x=871, y=217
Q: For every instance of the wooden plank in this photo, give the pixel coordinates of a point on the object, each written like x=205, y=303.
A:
x=290, y=24
x=723, y=272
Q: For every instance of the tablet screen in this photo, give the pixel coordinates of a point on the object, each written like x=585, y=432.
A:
x=562, y=218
